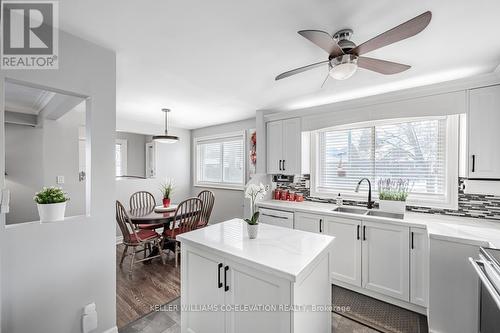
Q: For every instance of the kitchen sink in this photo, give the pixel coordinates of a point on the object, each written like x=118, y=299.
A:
x=385, y=214
x=349, y=210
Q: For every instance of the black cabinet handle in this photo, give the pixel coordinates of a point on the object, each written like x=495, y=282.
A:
x=412, y=240
x=284, y=165
x=364, y=232
x=279, y=164
x=219, y=283
x=473, y=163
x=357, y=232
x=226, y=287
x=320, y=225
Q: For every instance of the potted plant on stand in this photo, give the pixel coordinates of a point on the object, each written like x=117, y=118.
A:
x=254, y=192
x=166, y=189
x=51, y=204
x=393, y=194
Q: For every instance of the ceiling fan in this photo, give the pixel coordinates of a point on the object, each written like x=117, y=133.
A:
x=344, y=57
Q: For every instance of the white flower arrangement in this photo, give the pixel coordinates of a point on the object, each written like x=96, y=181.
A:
x=254, y=192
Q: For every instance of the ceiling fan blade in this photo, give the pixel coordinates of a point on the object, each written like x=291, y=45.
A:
x=405, y=30
x=324, y=40
x=382, y=66
x=326, y=79
x=300, y=70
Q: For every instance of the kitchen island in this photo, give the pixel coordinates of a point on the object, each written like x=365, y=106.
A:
x=279, y=282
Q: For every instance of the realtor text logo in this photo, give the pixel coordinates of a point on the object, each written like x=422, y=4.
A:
x=29, y=33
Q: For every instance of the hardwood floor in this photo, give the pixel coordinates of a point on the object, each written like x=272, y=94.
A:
x=147, y=286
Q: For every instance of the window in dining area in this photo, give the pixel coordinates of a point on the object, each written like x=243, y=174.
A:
x=220, y=161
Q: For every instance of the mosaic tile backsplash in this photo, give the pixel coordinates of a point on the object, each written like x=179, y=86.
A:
x=469, y=205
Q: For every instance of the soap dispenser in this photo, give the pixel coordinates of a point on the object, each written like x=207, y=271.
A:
x=339, y=200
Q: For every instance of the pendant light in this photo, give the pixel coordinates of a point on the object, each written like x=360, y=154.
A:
x=166, y=138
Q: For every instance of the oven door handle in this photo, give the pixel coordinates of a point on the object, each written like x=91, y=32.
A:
x=485, y=281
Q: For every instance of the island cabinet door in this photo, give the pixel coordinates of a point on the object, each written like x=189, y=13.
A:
x=202, y=291
x=386, y=264
x=345, y=261
x=255, y=298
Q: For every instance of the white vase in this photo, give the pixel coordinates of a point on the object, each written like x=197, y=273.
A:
x=51, y=212
x=252, y=230
x=391, y=206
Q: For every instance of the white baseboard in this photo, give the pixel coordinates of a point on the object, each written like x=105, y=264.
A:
x=119, y=240
x=111, y=330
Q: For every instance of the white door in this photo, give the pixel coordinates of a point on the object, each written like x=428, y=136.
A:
x=386, y=264
x=345, y=261
x=484, y=133
x=249, y=287
x=274, y=142
x=309, y=222
x=419, y=266
x=276, y=217
x=202, y=285
x=292, y=137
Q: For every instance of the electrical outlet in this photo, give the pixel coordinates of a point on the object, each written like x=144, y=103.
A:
x=60, y=180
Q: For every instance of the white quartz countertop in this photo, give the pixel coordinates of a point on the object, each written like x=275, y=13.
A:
x=479, y=232
x=284, y=251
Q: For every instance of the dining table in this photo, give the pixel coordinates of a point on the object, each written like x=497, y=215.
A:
x=152, y=215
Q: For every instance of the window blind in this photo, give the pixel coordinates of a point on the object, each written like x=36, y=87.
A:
x=415, y=150
x=220, y=161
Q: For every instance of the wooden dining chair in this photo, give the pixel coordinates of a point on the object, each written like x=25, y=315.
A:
x=142, y=239
x=186, y=218
x=144, y=199
x=208, y=199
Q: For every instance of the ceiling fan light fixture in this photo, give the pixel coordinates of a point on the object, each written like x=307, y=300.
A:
x=166, y=138
x=343, y=67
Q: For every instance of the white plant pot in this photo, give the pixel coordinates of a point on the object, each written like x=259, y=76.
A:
x=51, y=212
x=390, y=206
x=252, y=230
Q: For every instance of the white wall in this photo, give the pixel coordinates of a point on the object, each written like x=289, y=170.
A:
x=172, y=161
x=50, y=271
x=228, y=203
x=23, y=153
x=136, y=152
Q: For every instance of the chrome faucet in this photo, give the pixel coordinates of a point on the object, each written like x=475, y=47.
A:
x=370, y=203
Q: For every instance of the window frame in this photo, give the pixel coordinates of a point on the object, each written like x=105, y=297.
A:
x=123, y=154
x=451, y=168
x=220, y=138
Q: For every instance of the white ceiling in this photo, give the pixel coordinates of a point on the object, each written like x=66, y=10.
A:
x=215, y=61
x=23, y=99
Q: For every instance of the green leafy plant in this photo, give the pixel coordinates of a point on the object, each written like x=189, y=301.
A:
x=166, y=189
x=393, y=189
x=254, y=192
x=50, y=195
x=254, y=220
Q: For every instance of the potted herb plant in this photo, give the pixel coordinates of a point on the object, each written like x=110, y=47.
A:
x=166, y=190
x=254, y=192
x=51, y=203
x=393, y=194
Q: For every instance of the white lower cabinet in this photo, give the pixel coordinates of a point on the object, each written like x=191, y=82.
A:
x=386, y=262
x=217, y=295
x=419, y=267
x=346, y=254
x=309, y=222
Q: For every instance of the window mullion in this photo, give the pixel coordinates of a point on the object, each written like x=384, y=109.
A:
x=373, y=154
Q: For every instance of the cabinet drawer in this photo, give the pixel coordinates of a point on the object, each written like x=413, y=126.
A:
x=276, y=217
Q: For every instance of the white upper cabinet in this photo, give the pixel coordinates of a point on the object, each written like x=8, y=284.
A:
x=484, y=132
x=386, y=264
x=284, y=146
